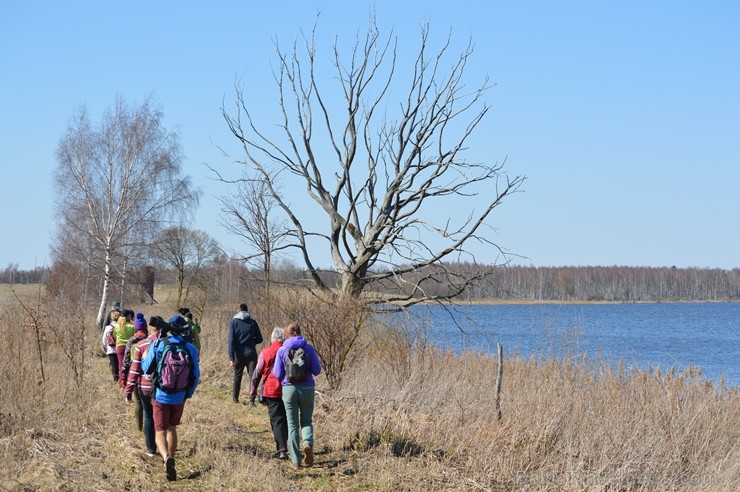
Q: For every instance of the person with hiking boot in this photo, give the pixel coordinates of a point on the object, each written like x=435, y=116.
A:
x=272, y=394
x=296, y=364
x=141, y=383
x=109, y=345
x=173, y=364
x=244, y=336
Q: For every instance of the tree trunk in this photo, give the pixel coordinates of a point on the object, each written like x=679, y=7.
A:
x=106, y=288
x=180, y=284
x=123, y=281
x=351, y=286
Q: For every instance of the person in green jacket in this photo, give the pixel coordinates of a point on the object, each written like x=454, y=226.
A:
x=192, y=325
x=123, y=333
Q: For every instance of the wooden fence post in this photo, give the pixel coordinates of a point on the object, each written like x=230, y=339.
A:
x=499, y=377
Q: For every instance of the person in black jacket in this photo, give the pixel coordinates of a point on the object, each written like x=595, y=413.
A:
x=244, y=336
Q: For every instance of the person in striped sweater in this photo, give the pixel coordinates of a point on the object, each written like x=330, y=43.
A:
x=138, y=381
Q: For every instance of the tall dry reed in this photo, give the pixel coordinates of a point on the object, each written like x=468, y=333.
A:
x=567, y=425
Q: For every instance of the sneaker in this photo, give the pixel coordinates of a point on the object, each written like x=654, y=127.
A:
x=308, y=455
x=151, y=454
x=282, y=455
x=169, y=468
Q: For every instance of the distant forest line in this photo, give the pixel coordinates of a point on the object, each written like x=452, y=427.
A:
x=615, y=283
x=513, y=283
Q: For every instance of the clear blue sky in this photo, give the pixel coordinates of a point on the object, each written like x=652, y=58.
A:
x=624, y=116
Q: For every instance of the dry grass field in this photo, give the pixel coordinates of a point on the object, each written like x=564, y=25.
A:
x=405, y=418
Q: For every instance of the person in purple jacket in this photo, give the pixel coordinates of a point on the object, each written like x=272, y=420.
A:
x=298, y=397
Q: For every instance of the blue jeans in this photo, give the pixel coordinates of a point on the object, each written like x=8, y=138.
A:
x=299, y=401
x=146, y=406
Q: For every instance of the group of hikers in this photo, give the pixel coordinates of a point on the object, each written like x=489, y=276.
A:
x=156, y=363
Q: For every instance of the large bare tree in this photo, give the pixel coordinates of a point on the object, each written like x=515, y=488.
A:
x=117, y=184
x=377, y=144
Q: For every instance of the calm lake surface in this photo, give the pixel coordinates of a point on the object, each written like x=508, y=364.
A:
x=657, y=334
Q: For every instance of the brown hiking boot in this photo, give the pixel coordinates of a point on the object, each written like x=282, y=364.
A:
x=308, y=454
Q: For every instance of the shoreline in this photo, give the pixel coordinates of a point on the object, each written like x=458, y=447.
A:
x=484, y=302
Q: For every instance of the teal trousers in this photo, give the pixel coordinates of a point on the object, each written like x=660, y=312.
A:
x=299, y=401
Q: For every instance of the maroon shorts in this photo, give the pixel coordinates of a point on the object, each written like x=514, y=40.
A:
x=166, y=415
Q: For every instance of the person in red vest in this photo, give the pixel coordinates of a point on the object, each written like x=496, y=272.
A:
x=272, y=393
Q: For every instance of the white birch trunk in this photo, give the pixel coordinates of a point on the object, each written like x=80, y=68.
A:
x=106, y=289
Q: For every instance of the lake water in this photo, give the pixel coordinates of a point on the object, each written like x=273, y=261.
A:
x=657, y=334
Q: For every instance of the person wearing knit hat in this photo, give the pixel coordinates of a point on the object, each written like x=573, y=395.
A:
x=140, y=333
x=140, y=323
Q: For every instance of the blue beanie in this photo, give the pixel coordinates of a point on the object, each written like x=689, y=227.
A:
x=177, y=321
x=140, y=322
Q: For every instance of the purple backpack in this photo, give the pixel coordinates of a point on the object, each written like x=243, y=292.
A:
x=174, y=367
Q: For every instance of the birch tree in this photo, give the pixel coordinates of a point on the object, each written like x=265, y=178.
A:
x=379, y=145
x=118, y=183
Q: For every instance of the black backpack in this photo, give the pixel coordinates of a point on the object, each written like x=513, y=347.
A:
x=296, y=365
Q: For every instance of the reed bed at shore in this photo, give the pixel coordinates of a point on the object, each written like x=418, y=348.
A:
x=406, y=416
